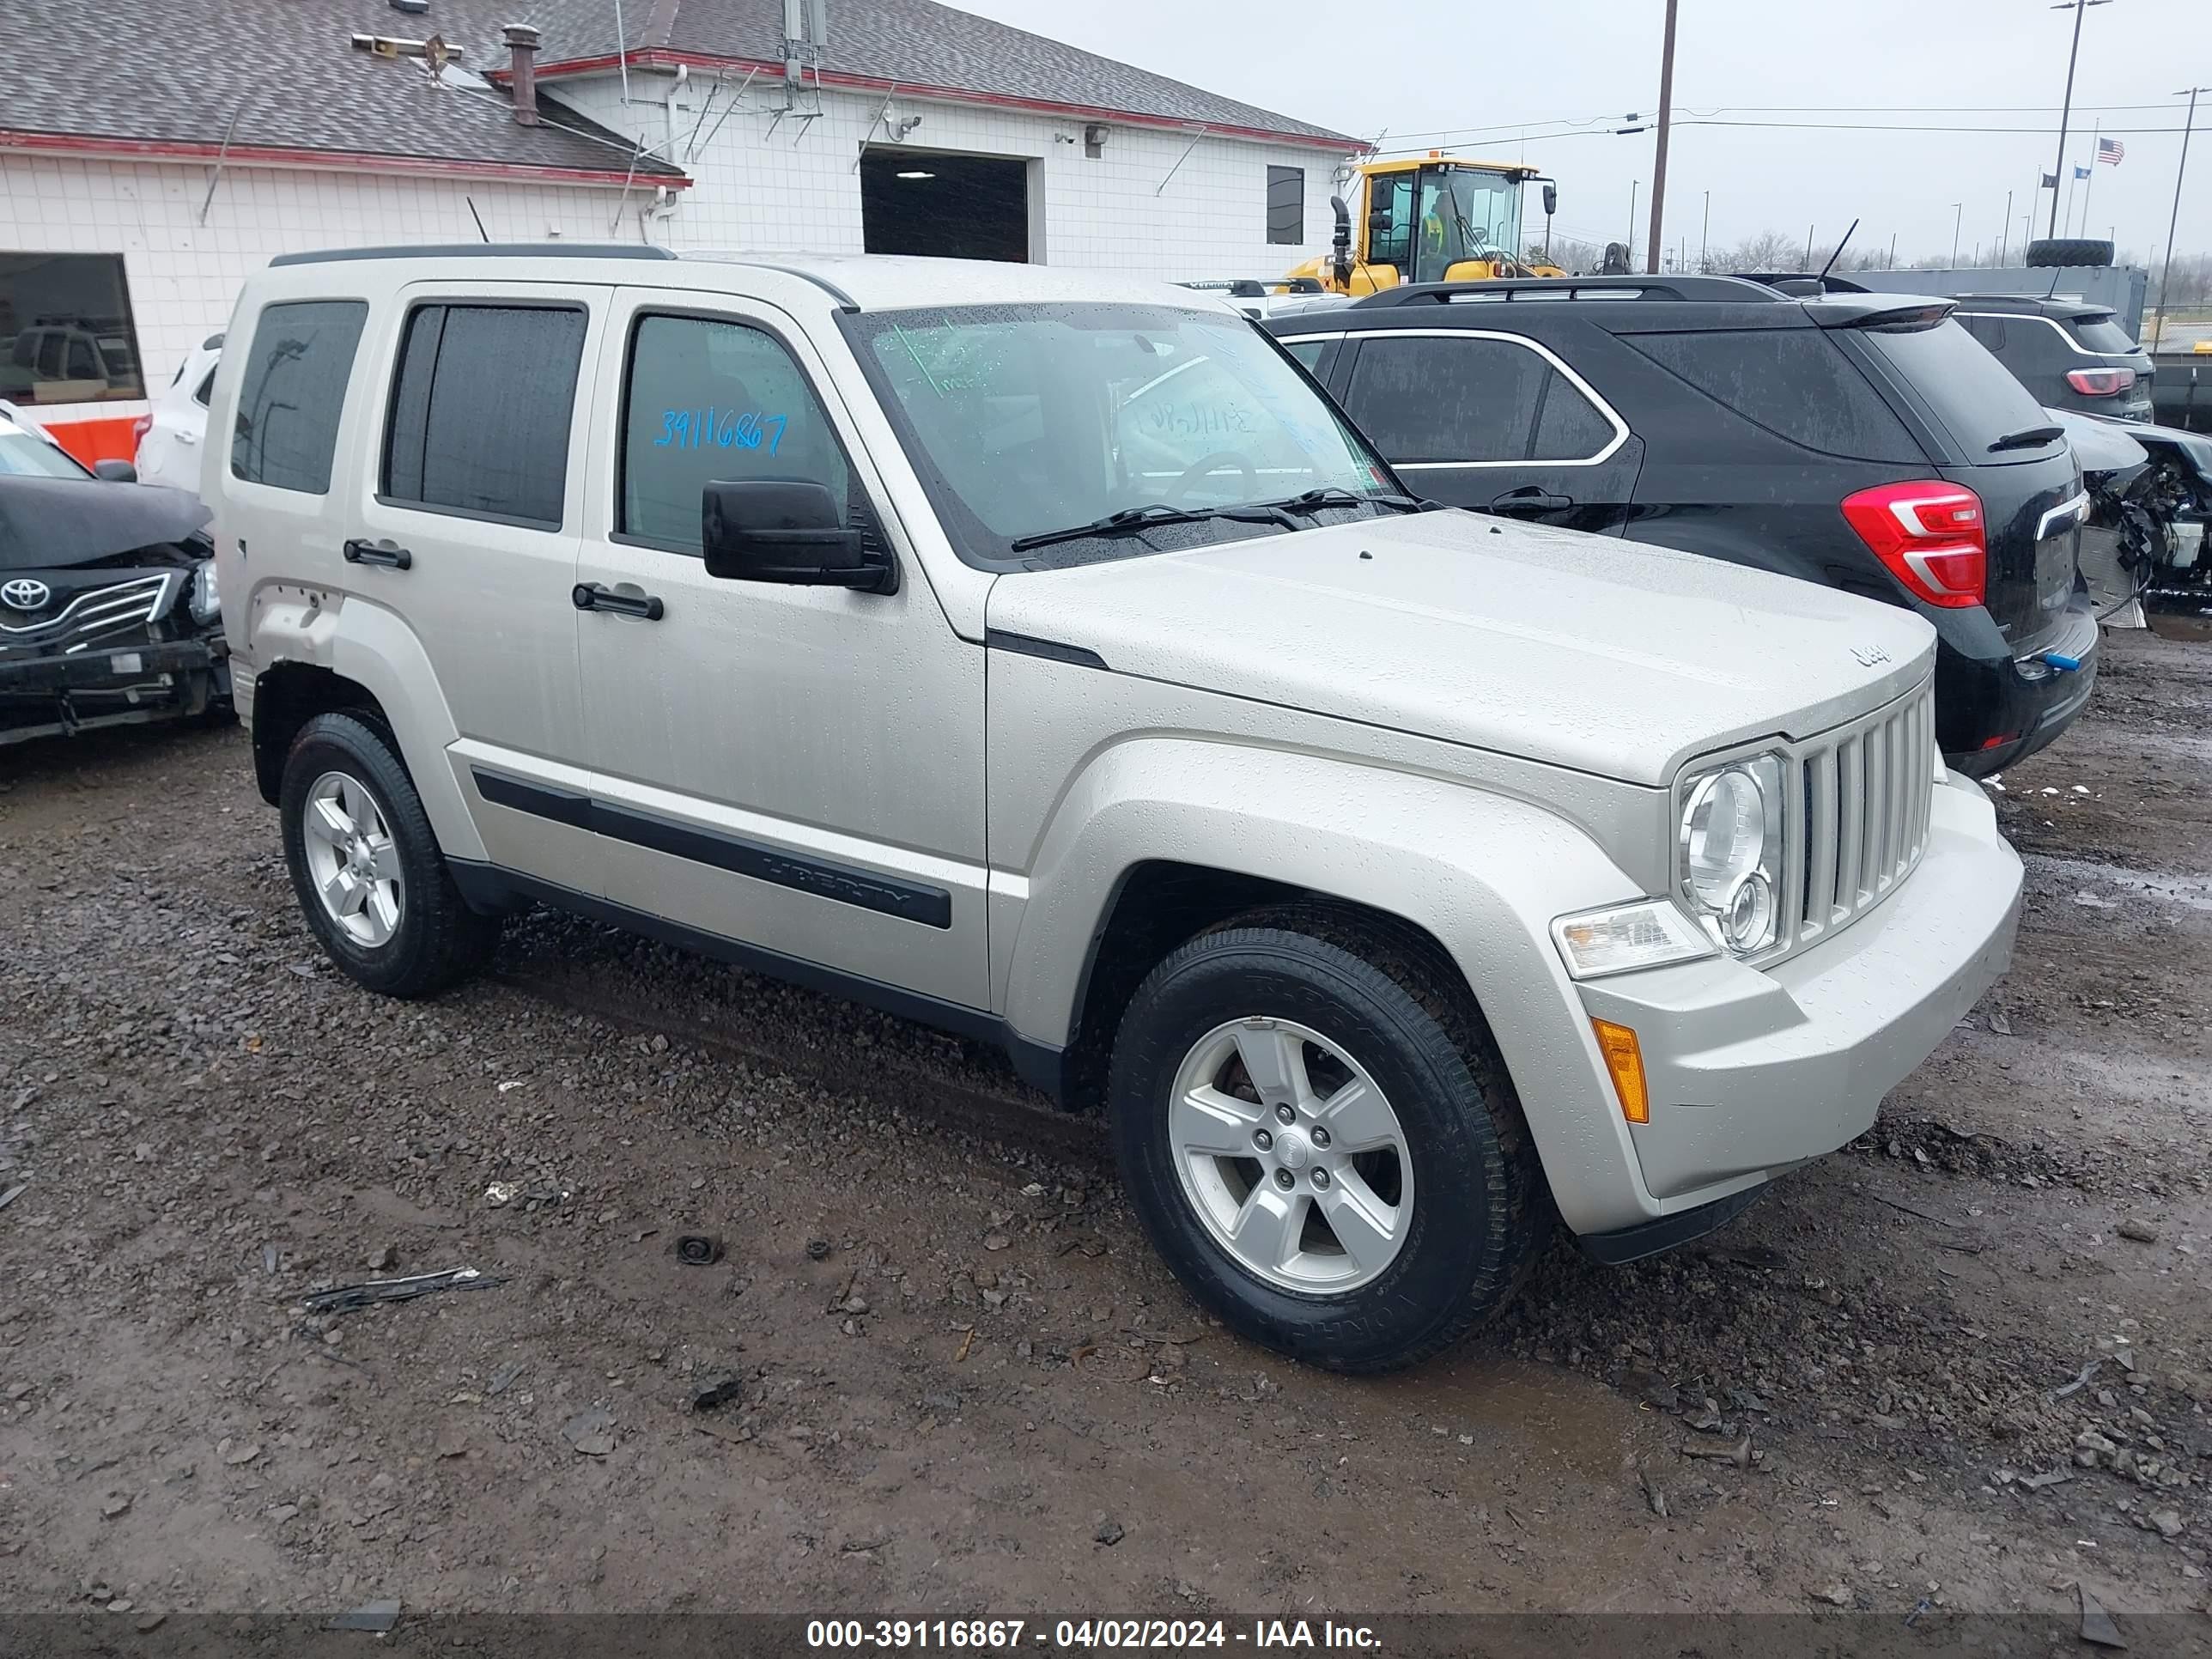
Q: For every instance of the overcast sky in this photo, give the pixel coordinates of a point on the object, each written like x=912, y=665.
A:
x=1417, y=66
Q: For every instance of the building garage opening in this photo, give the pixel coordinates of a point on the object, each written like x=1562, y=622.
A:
x=951, y=207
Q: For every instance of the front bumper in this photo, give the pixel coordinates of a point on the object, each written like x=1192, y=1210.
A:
x=1751, y=1071
x=1993, y=711
x=122, y=684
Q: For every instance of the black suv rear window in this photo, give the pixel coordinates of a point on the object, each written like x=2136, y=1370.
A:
x=1793, y=381
x=293, y=391
x=1971, y=392
x=2101, y=334
x=481, y=410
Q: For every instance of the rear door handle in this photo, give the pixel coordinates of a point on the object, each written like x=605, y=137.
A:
x=385, y=553
x=591, y=596
x=1529, y=499
x=184, y=437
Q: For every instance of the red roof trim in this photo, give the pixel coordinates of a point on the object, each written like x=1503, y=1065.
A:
x=165, y=149
x=668, y=58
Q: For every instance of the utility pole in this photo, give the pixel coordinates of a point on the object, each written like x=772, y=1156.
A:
x=1957, y=218
x=1634, y=184
x=1666, y=125
x=2066, y=110
x=1705, y=237
x=2165, y=281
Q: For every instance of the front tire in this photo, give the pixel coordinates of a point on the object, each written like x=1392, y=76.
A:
x=371, y=878
x=1320, y=1139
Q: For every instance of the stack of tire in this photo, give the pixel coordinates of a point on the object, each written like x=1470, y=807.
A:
x=2068, y=251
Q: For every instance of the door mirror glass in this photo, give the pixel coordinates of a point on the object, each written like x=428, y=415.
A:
x=786, y=530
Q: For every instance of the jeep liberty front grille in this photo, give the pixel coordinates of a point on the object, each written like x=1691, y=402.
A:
x=1860, y=818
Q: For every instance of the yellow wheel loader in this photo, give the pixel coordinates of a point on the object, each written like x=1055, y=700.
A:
x=1431, y=219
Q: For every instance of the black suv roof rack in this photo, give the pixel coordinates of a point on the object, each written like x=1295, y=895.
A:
x=1570, y=287
x=482, y=250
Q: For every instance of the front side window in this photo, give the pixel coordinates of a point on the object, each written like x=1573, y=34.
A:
x=1030, y=419
x=66, y=332
x=1287, y=206
x=714, y=402
x=293, y=392
x=481, y=410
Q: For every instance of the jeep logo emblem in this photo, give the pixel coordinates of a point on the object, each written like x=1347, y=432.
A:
x=22, y=593
x=1867, y=655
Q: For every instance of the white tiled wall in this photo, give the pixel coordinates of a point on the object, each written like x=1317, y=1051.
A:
x=794, y=187
x=184, y=275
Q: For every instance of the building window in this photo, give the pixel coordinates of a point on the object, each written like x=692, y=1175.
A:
x=481, y=411
x=1287, y=206
x=293, y=392
x=66, y=335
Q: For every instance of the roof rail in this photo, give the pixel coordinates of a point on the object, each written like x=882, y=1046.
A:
x=1803, y=282
x=1571, y=288
x=482, y=251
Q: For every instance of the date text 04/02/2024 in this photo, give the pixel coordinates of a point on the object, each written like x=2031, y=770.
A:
x=1014, y=1635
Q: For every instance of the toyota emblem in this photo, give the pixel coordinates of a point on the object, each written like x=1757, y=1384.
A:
x=22, y=593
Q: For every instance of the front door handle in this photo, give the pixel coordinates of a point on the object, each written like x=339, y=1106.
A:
x=184, y=437
x=591, y=596
x=383, y=553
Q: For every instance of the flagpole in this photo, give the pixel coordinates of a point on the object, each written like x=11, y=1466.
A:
x=2097, y=132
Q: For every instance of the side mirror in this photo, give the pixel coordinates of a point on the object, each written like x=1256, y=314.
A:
x=787, y=530
x=1551, y=199
x=1379, y=222
x=115, y=471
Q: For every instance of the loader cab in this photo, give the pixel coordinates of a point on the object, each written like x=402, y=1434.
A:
x=1427, y=219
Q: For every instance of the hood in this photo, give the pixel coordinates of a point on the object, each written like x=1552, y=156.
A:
x=2099, y=445
x=47, y=524
x=1607, y=656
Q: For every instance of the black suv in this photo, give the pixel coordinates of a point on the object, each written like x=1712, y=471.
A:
x=2068, y=353
x=1864, y=442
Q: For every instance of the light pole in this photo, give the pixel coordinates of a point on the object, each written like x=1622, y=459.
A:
x=1634, y=186
x=2004, y=234
x=2066, y=110
x=1659, y=161
x=1705, y=237
x=2165, y=281
x=1958, y=218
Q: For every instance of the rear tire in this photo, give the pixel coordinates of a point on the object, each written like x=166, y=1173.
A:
x=2069, y=251
x=371, y=878
x=1357, y=1261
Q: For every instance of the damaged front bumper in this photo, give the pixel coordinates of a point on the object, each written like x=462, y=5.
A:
x=120, y=684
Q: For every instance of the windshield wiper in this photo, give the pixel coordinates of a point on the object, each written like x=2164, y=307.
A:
x=1132, y=518
x=2029, y=437
x=1314, y=499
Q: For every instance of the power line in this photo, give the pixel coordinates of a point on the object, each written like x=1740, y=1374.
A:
x=1509, y=128
x=1856, y=126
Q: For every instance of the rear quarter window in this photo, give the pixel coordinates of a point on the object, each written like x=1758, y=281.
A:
x=293, y=391
x=1972, y=395
x=1794, y=382
x=2102, y=334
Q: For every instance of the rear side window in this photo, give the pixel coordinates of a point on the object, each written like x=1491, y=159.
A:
x=1972, y=394
x=1795, y=382
x=480, y=409
x=293, y=391
x=1471, y=399
x=1986, y=327
x=714, y=402
x=2101, y=334
x=203, y=393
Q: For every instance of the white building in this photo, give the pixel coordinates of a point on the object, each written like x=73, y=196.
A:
x=149, y=157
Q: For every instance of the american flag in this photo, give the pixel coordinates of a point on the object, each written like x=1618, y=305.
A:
x=2111, y=150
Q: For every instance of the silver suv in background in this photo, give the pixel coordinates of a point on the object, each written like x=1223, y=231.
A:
x=1041, y=654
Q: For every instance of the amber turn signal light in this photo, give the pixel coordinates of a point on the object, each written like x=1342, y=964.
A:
x=1624, y=1060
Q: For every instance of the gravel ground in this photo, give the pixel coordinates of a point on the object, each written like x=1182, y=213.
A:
x=957, y=1380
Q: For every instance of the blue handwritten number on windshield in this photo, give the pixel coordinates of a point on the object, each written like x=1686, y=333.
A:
x=728, y=428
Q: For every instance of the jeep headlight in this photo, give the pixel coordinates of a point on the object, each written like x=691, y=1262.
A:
x=205, y=603
x=1731, y=852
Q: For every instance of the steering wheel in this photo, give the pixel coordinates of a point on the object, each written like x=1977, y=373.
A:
x=1191, y=475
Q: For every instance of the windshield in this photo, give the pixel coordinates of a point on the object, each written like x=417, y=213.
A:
x=24, y=456
x=1025, y=420
x=1465, y=214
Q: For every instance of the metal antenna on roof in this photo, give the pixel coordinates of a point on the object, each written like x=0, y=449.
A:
x=479, y=217
x=1836, y=255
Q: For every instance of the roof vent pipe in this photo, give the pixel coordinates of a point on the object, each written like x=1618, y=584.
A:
x=522, y=51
